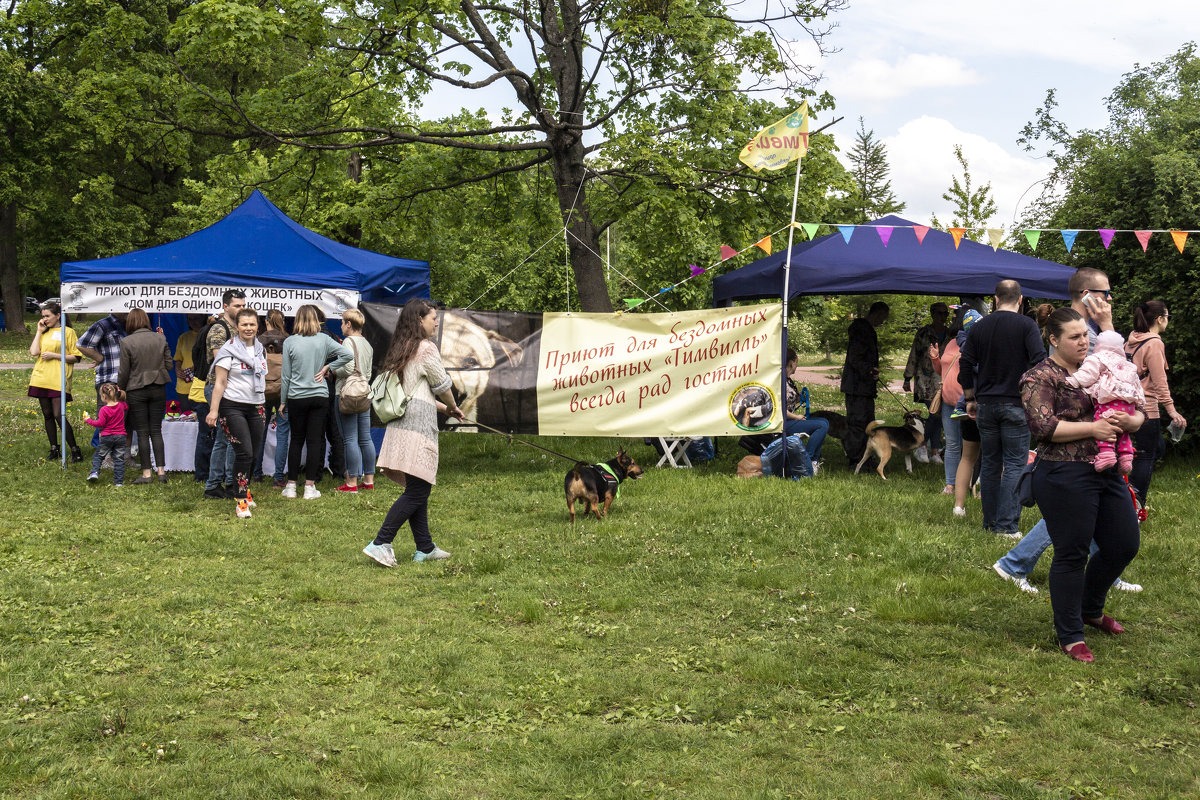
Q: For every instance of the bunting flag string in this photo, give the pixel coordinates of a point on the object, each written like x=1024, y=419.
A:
x=995, y=238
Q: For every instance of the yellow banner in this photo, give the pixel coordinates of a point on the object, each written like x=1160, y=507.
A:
x=714, y=372
x=776, y=146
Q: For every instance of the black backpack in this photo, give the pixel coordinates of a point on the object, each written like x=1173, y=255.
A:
x=201, y=355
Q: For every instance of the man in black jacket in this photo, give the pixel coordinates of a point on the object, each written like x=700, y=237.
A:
x=998, y=351
x=860, y=376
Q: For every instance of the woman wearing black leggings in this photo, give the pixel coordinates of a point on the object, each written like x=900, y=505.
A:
x=143, y=375
x=46, y=382
x=237, y=401
x=1079, y=504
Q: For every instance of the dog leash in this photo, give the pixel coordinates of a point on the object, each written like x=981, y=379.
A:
x=893, y=394
x=512, y=439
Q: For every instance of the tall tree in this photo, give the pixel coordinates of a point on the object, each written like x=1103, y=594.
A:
x=973, y=205
x=1141, y=171
x=873, y=196
x=612, y=95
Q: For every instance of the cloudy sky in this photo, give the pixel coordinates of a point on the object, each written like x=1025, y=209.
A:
x=928, y=74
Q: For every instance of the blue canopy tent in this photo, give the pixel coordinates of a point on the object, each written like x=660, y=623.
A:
x=864, y=265
x=255, y=245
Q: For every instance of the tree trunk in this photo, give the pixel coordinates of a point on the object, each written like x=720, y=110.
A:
x=10, y=276
x=583, y=237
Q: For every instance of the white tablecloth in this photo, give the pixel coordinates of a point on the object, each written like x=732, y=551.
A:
x=179, y=444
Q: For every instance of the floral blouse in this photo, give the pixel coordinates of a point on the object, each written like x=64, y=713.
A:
x=1048, y=398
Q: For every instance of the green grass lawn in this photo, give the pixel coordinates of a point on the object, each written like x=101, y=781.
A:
x=716, y=638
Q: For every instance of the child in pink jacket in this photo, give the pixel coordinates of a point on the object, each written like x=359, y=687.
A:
x=1111, y=380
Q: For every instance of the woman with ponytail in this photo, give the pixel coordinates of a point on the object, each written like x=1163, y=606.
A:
x=1145, y=348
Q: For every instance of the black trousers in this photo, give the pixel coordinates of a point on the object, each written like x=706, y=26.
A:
x=1080, y=506
x=333, y=435
x=244, y=427
x=1149, y=447
x=308, y=416
x=146, y=408
x=860, y=411
x=411, y=507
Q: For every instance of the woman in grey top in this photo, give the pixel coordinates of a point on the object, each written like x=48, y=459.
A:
x=356, y=428
x=144, y=371
x=307, y=358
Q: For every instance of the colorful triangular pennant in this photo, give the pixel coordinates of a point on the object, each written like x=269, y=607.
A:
x=764, y=244
x=1180, y=238
x=1033, y=237
x=1144, y=238
x=885, y=233
x=696, y=270
x=1069, y=238
x=920, y=231
x=847, y=232
x=633, y=302
x=957, y=233
x=996, y=237
x=727, y=252
x=810, y=228
x=1106, y=236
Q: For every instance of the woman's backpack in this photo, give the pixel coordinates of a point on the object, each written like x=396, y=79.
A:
x=389, y=401
x=356, y=393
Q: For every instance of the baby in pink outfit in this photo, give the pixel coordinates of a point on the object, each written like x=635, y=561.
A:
x=1111, y=380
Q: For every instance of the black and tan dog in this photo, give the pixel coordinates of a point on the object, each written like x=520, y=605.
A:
x=597, y=484
x=883, y=440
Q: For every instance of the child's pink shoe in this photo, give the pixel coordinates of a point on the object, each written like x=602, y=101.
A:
x=1125, y=463
x=1106, y=460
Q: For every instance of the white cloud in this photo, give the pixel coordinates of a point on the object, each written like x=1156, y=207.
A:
x=921, y=156
x=876, y=79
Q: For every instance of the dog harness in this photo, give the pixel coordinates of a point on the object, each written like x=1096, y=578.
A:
x=610, y=478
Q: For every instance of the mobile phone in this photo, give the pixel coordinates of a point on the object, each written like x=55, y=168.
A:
x=1087, y=299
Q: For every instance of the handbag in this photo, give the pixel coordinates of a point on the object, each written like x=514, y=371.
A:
x=389, y=401
x=356, y=393
x=1025, y=483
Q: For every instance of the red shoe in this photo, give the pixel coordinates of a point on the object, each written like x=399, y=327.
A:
x=1079, y=651
x=1106, y=624
x=366, y=486
x=345, y=487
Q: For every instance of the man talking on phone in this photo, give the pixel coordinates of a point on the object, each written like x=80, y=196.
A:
x=1091, y=296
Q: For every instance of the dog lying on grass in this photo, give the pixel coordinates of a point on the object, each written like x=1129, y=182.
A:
x=597, y=485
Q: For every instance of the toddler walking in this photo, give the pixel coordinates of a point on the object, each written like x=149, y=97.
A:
x=1111, y=380
x=111, y=422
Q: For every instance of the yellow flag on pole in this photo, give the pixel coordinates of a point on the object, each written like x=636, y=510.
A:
x=779, y=144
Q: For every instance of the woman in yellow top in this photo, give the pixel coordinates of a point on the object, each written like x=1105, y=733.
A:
x=46, y=382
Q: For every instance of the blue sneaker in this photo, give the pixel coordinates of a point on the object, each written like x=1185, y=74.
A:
x=381, y=553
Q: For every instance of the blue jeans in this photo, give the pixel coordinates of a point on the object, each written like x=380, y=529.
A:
x=283, y=438
x=952, y=453
x=933, y=433
x=816, y=429
x=1021, y=560
x=204, y=443
x=357, y=444
x=1004, y=449
x=114, y=446
x=220, y=463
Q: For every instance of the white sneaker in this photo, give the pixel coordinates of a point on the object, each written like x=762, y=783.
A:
x=310, y=492
x=1020, y=580
x=936, y=459
x=436, y=554
x=959, y=511
x=289, y=490
x=816, y=465
x=1125, y=586
x=1016, y=536
x=381, y=553
x=922, y=454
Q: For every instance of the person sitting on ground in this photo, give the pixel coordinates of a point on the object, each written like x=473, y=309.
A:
x=1111, y=380
x=797, y=421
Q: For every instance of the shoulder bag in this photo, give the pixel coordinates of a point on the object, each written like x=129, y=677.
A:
x=356, y=393
x=389, y=401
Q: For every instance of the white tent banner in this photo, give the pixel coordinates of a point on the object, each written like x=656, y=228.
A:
x=162, y=298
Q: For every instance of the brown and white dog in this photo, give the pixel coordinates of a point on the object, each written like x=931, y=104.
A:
x=883, y=440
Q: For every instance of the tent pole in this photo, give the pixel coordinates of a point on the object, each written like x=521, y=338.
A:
x=787, y=275
x=62, y=384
